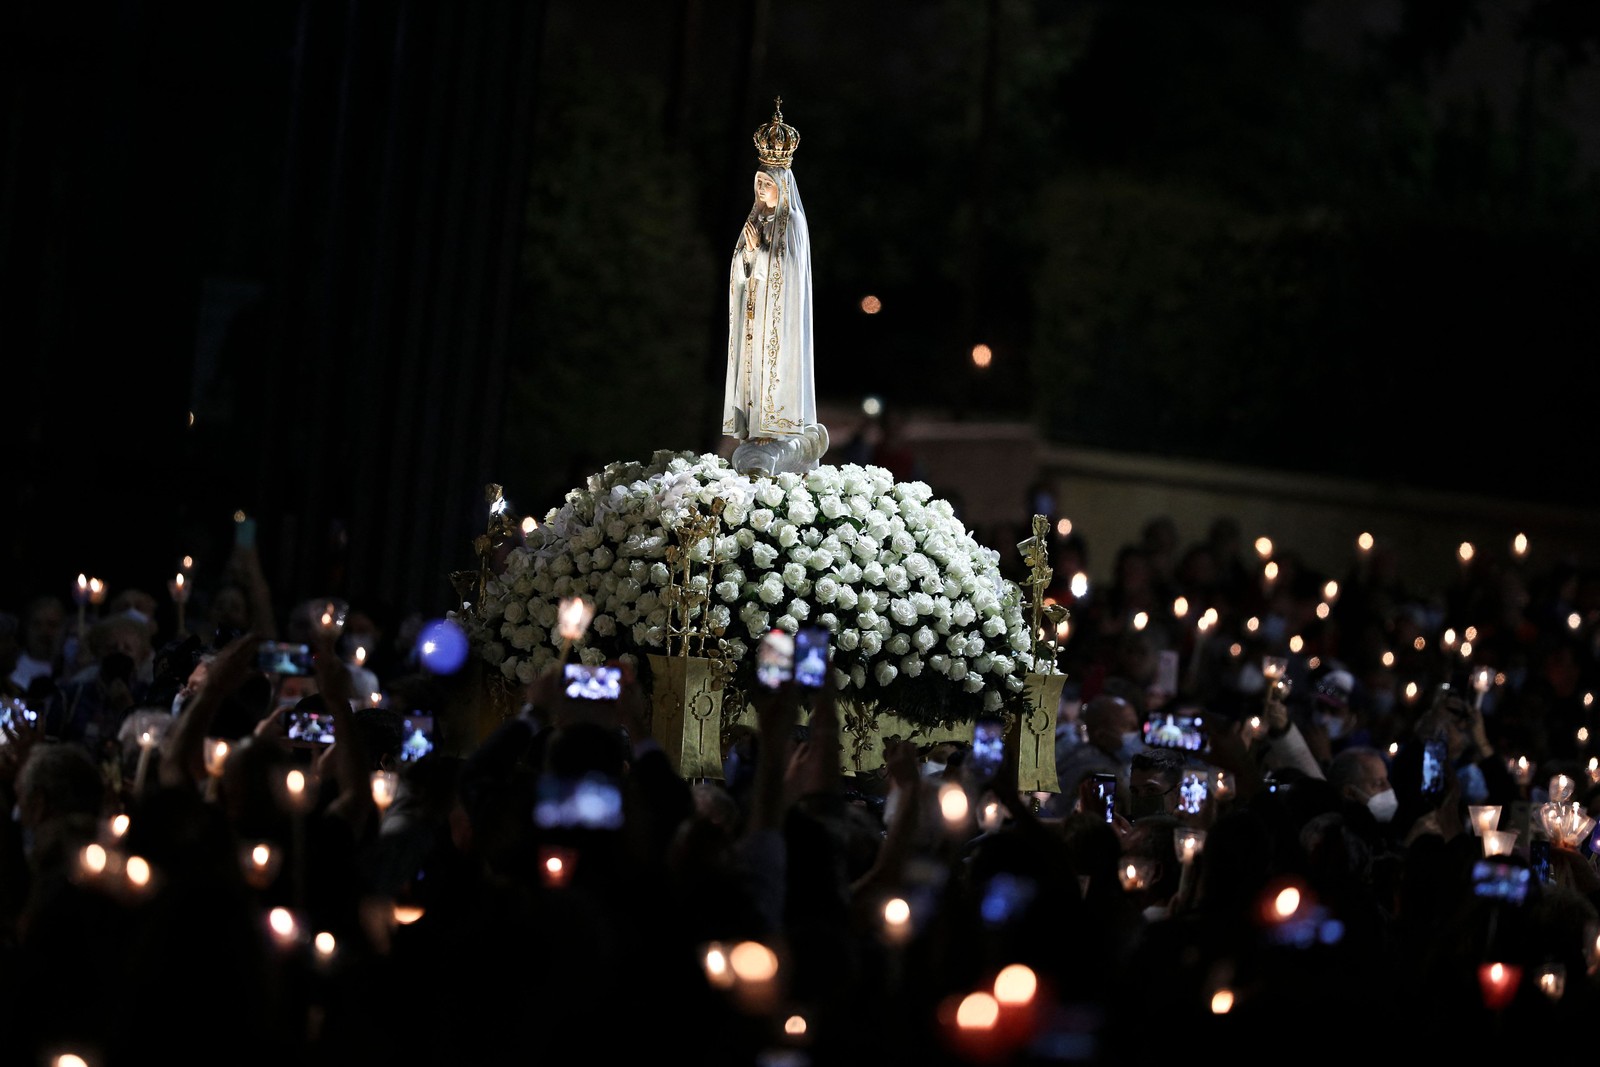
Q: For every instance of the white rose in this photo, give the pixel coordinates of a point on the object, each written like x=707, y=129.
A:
x=982, y=662
x=788, y=535
x=902, y=612
x=515, y=612
x=821, y=559
x=831, y=506
x=871, y=642
x=972, y=683
x=803, y=512
x=958, y=668
x=794, y=574
x=895, y=579
x=910, y=666
x=902, y=542
x=858, y=676
x=992, y=699
x=939, y=662
x=733, y=513
x=847, y=640
x=885, y=672
x=859, y=506
x=800, y=609
x=898, y=645
x=728, y=591
x=828, y=621
x=869, y=600
x=746, y=538
x=771, y=589
x=847, y=598
x=923, y=639
x=825, y=589
x=604, y=625
x=761, y=518
x=769, y=493
x=787, y=623
x=872, y=573
x=763, y=555
x=994, y=626
x=840, y=678
x=849, y=572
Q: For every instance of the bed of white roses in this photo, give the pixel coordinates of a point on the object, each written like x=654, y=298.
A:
x=923, y=624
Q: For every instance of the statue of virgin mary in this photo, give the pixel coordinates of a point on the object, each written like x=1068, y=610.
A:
x=769, y=401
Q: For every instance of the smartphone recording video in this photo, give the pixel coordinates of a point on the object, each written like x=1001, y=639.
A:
x=775, y=658
x=1193, y=789
x=419, y=739
x=587, y=802
x=1434, y=754
x=309, y=727
x=811, y=656
x=988, y=748
x=1182, y=730
x=1104, y=790
x=1508, y=882
x=285, y=659
x=593, y=681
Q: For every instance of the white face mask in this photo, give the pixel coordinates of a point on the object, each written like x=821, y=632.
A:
x=1383, y=805
x=1334, y=726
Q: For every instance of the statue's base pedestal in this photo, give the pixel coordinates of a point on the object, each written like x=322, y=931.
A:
x=767, y=456
x=686, y=714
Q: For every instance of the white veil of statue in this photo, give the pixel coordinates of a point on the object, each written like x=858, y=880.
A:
x=771, y=385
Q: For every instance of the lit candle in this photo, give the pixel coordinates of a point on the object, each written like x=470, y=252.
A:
x=1134, y=873
x=216, y=756
x=572, y=622
x=1498, y=982
x=1499, y=842
x=147, y=744
x=1553, y=980
x=1188, y=841
x=1519, y=545
x=1484, y=817
x=556, y=866
x=1593, y=770
x=81, y=595
x=896, y=920
x=1482, y=680
x=384, y=784
x=990, y=815
x=179, y=588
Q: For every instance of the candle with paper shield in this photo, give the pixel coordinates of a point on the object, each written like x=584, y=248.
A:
x=572, y=622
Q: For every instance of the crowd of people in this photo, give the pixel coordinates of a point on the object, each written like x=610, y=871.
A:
x=1264, y=871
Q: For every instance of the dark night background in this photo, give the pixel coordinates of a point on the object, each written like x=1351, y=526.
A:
x=387, y=253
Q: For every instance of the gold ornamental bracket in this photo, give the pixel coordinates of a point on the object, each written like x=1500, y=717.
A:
x=1035, y=553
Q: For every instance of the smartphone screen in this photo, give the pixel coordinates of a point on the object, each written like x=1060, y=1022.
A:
x=1180, y=729
x=285, y=658
x=418, y=737
x=775, y=658
x=1434, y=754
x=988, y=747
x=593, y=681
x=1501, y=881
x=586, y=802
x=811, y=656
x=1539, y=860
x=1193, y=789
x=1105, y=793
x=310, y=727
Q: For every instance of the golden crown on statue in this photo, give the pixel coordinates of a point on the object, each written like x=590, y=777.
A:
x=776, y=141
